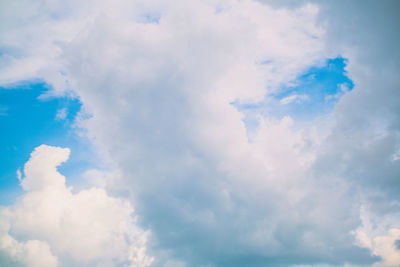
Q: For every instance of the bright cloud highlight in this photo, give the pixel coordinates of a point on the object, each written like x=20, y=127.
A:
x=51, y=226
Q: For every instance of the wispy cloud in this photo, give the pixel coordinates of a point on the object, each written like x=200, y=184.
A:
x=61, y=114
x=294, y=98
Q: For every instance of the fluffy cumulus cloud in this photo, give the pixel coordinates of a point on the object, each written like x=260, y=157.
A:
x=158, y=79
x=379, y=237
x=51, y=226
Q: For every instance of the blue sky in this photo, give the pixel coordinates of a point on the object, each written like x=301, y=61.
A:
x=315, y=93
x=193, y=149
x=29, y=119
x=320, y=85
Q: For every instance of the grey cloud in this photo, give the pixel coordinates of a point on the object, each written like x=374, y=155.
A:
x=160, y=94
x=367, y=131
x=197, y=212
x=397, y=244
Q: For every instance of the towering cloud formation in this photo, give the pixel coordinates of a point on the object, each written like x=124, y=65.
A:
x=159, y=79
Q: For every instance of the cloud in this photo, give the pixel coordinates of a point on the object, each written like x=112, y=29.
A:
x=61, y=114
x=51, y=226
x=343, y=90
x=294, y=98
x=31, y=253
x=379, y=236
x=160, y=93
x=209, y=195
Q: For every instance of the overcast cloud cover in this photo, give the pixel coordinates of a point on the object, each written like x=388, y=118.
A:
x=184, y=181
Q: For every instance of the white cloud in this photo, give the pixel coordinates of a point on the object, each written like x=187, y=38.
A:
x=50, y=224
x=160, y=97
x=294, y=98
x=33, y=253
x=343, y=89
x=182, y=147
x=380, y=235
x=396, y=156
x=61, y=114
x=385, y=247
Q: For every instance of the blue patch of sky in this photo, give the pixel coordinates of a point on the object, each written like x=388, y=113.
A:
x=322, y=85
x=267, y=61
x=28, y=120
x=312, y=94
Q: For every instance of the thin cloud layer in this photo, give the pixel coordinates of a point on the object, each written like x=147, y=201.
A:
x=159, y=79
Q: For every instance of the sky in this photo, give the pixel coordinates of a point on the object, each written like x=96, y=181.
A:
x=205, y=133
